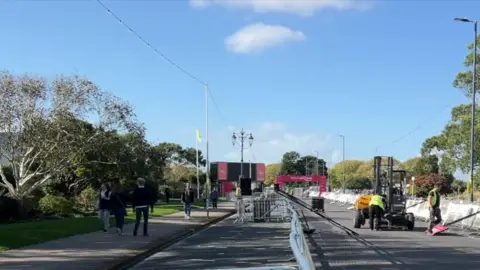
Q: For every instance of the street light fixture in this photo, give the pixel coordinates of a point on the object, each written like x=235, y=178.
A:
x=242, y=136
x=472, y=128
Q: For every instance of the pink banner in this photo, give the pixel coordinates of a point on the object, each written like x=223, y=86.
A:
x=222, y=171
x=260, y=172
x=318, y=179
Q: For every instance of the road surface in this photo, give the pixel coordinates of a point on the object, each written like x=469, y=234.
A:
x=227, y=245
x=332, y=248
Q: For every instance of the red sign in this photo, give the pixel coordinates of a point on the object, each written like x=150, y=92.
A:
x=222, y=171
x=260, y=172
x=319, y=179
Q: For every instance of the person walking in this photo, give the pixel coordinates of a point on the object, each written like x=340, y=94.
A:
x=117, y=205
x=104, y=206
x=433, y=203
x=214, y=197
x=204, y=197
x=376, y=210
x=167, y=195
x=187, y=199
x=142, y=198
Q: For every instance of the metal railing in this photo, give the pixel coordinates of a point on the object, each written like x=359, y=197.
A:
x=298, y=243
x=269, y=206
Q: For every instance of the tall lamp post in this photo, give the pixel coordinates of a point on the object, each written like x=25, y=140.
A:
x=241, y=137
x=316, y=153
x=343, y=162
x=472, y=130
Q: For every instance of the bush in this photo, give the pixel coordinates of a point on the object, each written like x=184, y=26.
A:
x=52, y=204
x=87, y=199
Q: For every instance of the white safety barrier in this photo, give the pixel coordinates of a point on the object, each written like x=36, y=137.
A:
x=451, y=209
x=299, y=244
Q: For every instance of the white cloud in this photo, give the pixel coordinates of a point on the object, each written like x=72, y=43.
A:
x=257, y=37
x=298, y=7
x=271, y=141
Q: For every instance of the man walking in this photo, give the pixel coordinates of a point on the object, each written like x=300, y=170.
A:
x=433, y=203
x=214, y=197
x=142, y=198
x=187, y=199
x=376, y=210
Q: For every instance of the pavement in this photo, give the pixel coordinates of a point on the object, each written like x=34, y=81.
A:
x=332, y=248
x=227, y=245
x=101, y=250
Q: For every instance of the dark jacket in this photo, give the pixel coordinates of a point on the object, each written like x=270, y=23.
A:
x=104, y=203
x=188, y=196
x=117, y=201
x=142, y=196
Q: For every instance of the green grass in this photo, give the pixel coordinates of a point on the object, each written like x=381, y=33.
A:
x=16, y=235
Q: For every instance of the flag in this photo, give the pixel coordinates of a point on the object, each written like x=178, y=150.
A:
x=199, y=137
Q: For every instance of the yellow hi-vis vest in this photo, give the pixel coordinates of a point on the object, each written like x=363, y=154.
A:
x=377, y=200
x=237, y=192
x=433, y=193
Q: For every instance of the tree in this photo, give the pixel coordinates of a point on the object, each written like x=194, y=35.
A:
x=425, y=183
x=289, y=163
x=453, y=144
x=42, y=135
x=421, y=165
x=295, y=164
x=271, y=171
x=459, y=186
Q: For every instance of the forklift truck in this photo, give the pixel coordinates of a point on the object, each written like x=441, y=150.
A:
x=395, y=215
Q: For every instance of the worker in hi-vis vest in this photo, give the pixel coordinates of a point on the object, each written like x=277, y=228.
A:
x=433, y=204
x=376, y=210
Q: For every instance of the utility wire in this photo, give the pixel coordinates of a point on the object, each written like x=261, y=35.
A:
x=159, y=53
x=429, y=120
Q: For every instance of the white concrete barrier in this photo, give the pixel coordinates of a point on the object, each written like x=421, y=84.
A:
x=451, y=209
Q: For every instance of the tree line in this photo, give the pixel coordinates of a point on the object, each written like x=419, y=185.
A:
x=67, y=136
x=359, y=174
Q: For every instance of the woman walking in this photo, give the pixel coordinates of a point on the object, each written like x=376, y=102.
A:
x=104, y=206
x=117, y=205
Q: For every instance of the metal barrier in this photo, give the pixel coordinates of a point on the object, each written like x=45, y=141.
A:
x=451, y=209
x=299, y=244
x=269, y=206
x=262, y=207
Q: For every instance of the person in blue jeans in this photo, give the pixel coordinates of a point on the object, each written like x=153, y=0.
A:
x=187, y=199
x=142, y=198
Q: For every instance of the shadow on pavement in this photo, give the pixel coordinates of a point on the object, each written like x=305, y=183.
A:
x=227, y=245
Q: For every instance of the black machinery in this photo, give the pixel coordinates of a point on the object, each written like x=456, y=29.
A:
x=395, y=200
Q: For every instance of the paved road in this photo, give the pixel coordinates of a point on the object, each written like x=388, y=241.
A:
x=413, y=250
x=227, y=245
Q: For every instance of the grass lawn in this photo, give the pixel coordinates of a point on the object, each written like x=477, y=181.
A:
x=16, y=235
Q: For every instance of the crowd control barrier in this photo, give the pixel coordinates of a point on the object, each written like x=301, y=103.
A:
x=452, y=210
x=270, y=207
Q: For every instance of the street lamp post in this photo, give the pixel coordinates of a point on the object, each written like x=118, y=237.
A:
x=472, y=128
x=316, y=152
x=343, y=162
x=242, y=136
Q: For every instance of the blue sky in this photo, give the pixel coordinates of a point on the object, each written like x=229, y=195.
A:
x=295, y=77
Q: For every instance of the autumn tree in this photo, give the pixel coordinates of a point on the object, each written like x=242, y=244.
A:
x=271, y=172
x=425, y=183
